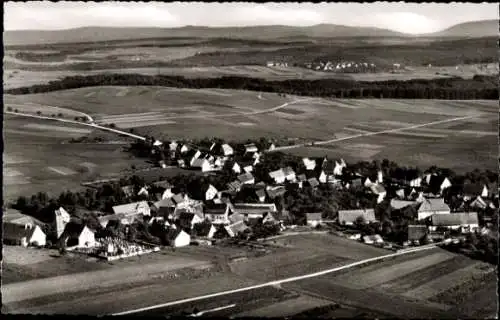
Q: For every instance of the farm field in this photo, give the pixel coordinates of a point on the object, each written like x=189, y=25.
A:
x=20, y=74
x=425, y=283
x=38, y=157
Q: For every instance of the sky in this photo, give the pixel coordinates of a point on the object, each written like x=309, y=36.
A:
x=411, y=18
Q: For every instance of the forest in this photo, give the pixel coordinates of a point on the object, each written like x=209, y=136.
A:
x=479, y=87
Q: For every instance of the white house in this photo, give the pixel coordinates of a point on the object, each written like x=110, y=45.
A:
x=202, y=164
x=278, y=176
x=16, y=234
x=250, y=148
x=211, y=192
x=184, y=148
x=416, y=182
x=380, y=191
x=248, y=168
x=173, y=146
x=79, y=235
x=339, y=166
x=179, y=238
x=227, y=150
x=289, y=174
x=368, y=182
x=309, y=164
x=62, y=218
x=463, y=221
x=322, y=177
x=431, y=207
x=236, y=168
x=217, y=213
x=144, y=191
x=140, y=207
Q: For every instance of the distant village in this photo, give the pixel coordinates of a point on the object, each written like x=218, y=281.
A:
x=242, y=191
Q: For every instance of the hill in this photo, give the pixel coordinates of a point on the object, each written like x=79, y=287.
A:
x=94, y=34
x=474, y=29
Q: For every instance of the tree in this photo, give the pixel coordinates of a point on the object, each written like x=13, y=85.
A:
x=39, y=113
x=112, y=125
x=53, y=115
x=9, y=108
x=77, y=118
x=60, y=115
x=16, y=110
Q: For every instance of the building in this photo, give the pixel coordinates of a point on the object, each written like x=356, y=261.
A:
x=128, y=190
x=438, y=183
x=136, y=208
x=400, y=204
x=349, y=217
x=379, y=191
x=217, y=213
x=202, y=164
x=236, y=168
x=315, y=219
x=417, y=232
x=234, y=186
x=463, y=221
x=23, y=235
x=273, y=192
x=471, y=191
x=62, y=218
x=236, y=228
x=204, y=230
x=246, y=178
x=373, y=239
x=313, y=182
x=186, y=220
x=309, y=164
x=178, y=237
x=431, y=207
x=289, y=174
x=278, y=176
x=15, y=217
x=254, y=210
x=261, y=195
x=251, y=148
x=78, y=235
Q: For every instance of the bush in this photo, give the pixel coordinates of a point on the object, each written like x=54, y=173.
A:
x=39, y=113
x=9, y=108
x=16, y=111
x=60, y=115
x=112, y=125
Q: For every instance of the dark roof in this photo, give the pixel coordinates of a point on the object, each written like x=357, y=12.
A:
x=435, y=183
x=215, y=208
x=202, y=229
x=313, y=182
x=260, y=193
x=416, y=232
x=162, y=184
x=16, y=232
x=454, y=219
x=301, y=177
x=245, y=177
x=276, y=192
x=73, y=230
x=473, y=189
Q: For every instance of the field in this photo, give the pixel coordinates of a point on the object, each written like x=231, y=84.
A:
x=424, y=283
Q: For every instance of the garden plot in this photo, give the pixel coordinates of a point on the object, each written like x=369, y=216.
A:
x=286, y=308
x=363, y=280
x=25, y=256
x=443, y=283
x=44, y=127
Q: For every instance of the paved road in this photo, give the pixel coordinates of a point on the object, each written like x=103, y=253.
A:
x=271, y=283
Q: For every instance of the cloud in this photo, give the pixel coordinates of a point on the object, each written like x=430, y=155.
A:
x=274, y=15
x=407, y=22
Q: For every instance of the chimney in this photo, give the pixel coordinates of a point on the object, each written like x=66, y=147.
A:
x=380, y=177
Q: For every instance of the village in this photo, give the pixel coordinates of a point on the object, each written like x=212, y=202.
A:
x=244, y=192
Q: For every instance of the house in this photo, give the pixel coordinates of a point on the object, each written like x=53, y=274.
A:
x=289, y=174
x=15, y=217
x=186, y=220
x=236, y=228
x=400, y=204
x=236, y=168
x=417, y=232
x=463, y=221
x=354, y=183
x=273, y=217
x=415, y=182
x=400, y=193
x=234, y=186
x=246, y=178
x=315, y=219
x=137, y=208
x=378, y=190
x=373, y=239
x=62, y=218
x=254, y=210
x=278, y=176
x=172, y=146
x=78, y=235
x=248, y=168
x=162, y=184
x=222, y=149
x=204, y=230
x=128, y=190
x=438, y=183
x=470, y=191
x=480, y=203
x=313, y=182
x=301, y=178
x=181, y=163
x=236, y=217
x=251, y=148
x=202, y=164
x=272, y=147
x=185, y=148
x=217, y=213
x=309, y=164
x=349, y=217
x=261, y=194
x=431, y=207
x=323, y=178
x=270, y=64
x=144, y=191
x=167, y=194
x=273, y=192
x=178, y=237
x=23, y=235
x=367, y=182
